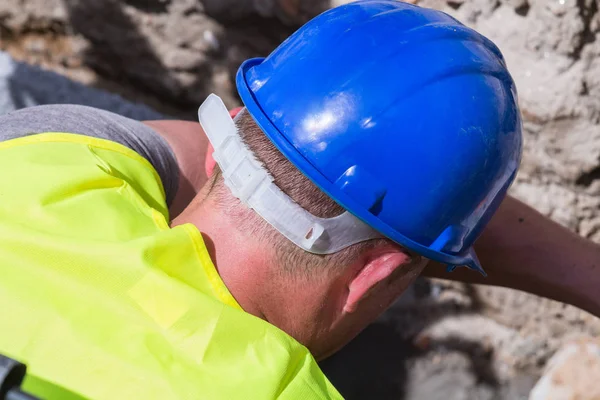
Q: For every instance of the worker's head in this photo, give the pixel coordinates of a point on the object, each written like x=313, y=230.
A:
x=323, y=300
x=398, y=118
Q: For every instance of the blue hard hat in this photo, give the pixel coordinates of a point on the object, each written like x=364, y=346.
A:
x=401, y=114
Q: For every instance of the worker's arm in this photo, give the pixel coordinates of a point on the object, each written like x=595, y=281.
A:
x=522, y=249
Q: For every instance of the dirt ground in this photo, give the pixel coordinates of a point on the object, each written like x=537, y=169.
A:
x=441, y=340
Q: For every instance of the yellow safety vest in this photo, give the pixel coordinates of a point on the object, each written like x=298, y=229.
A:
x=102, y=300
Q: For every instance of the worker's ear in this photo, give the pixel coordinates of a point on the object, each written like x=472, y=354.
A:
x=209, y=161
x=381, y=270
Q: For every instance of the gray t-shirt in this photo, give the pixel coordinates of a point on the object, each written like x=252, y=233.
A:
x=100, y=124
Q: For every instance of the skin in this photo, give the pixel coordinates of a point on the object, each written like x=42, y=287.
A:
x=519, y=249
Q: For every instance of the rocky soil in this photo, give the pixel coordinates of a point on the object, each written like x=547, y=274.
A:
x=441, y=340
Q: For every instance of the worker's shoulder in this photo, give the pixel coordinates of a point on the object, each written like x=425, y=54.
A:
x=73, y=181
x=95, y=123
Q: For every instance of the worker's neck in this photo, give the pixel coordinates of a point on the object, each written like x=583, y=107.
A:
x=300, y=307
x=242, y=268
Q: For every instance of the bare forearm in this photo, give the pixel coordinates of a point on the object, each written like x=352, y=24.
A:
x=525, y=250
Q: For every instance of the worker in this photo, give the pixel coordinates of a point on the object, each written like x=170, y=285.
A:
x=140, y=262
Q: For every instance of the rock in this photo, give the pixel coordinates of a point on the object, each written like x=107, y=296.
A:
x=590, y=227
x=572, y=373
